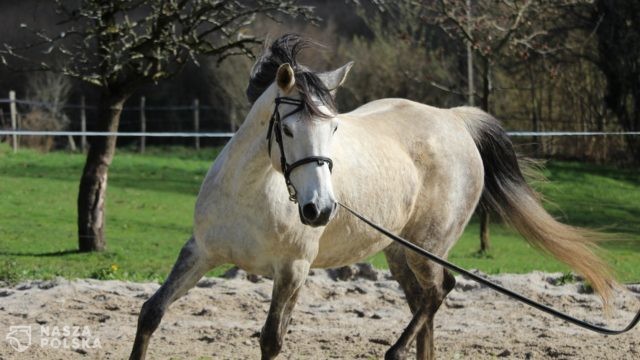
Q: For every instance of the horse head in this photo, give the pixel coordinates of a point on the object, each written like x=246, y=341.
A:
x=302, y=126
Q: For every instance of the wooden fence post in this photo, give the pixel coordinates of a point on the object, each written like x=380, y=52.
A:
x=143, y=124
x=196, y=121
x=232, y=123
x=14, y=120
x=83, y=123
x=470, y=84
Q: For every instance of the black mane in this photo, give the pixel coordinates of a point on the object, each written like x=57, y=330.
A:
x=283, y=50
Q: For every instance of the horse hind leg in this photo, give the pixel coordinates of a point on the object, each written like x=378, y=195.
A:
x=287, y=282
x=191, y=265
x=425, y=289
x=413, y=291
x=425, y=345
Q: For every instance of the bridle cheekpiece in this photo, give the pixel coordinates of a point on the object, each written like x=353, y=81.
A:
x=275, y=126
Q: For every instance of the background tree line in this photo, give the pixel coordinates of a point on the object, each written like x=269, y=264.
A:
x=537, y=65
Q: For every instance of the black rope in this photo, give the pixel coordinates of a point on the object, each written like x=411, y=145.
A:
x=490, y=284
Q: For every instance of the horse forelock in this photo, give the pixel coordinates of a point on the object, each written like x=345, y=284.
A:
x=285, y=49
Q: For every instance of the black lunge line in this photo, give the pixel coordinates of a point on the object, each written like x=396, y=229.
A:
x=490, y=284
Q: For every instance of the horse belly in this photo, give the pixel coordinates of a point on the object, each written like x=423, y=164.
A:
x=347, y=240
x=366, y=187
x=344, y=250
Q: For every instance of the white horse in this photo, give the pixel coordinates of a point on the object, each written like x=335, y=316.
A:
x=420, y=171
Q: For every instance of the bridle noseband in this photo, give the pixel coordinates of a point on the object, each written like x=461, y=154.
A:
x=275, y=125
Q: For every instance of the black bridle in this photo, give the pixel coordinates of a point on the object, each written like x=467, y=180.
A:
x=275, y=126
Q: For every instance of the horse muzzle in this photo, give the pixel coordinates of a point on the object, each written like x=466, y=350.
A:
x=312, y=215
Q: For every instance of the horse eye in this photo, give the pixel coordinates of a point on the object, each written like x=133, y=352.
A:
x=287, y=131
x=335, y=129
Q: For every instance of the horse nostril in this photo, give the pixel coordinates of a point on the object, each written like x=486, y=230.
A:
x=310, y=211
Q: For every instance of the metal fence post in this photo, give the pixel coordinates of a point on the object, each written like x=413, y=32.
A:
x=14, y=120
x=143, y=124
x=83, y=123
x=196, y=121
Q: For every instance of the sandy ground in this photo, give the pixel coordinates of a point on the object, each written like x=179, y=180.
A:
x=334, y=319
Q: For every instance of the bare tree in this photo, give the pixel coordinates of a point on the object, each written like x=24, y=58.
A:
x=618, y=34
x=49, y=93
x=229, y=81
x=121, y=45
x=497, y=32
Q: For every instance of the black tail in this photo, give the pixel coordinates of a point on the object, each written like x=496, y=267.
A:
x=507, y=193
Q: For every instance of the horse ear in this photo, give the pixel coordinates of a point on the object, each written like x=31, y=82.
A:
x=334, y=79
x=285, y=78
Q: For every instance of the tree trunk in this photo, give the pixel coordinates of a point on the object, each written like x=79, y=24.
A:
x=93, y=184
x=470, y=84
x=633, y=144
x=535, y=118
x=486, y=84
x=485, y=240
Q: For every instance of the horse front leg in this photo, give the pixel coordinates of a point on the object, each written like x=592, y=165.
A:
x=287, y=282
x=191, y=265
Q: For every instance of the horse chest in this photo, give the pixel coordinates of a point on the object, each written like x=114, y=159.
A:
x=255, y=240
x=347, y=240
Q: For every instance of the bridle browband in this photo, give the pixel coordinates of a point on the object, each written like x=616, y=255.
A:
x=275, y=126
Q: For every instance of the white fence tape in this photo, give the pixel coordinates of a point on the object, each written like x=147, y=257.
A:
x=93, y=107
x=122, y=134
x=230, y=134
x=571, y=133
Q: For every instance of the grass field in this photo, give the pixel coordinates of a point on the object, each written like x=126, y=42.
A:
x=150, y=206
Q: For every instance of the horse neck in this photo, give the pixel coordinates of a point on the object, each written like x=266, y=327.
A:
x=248, y=152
